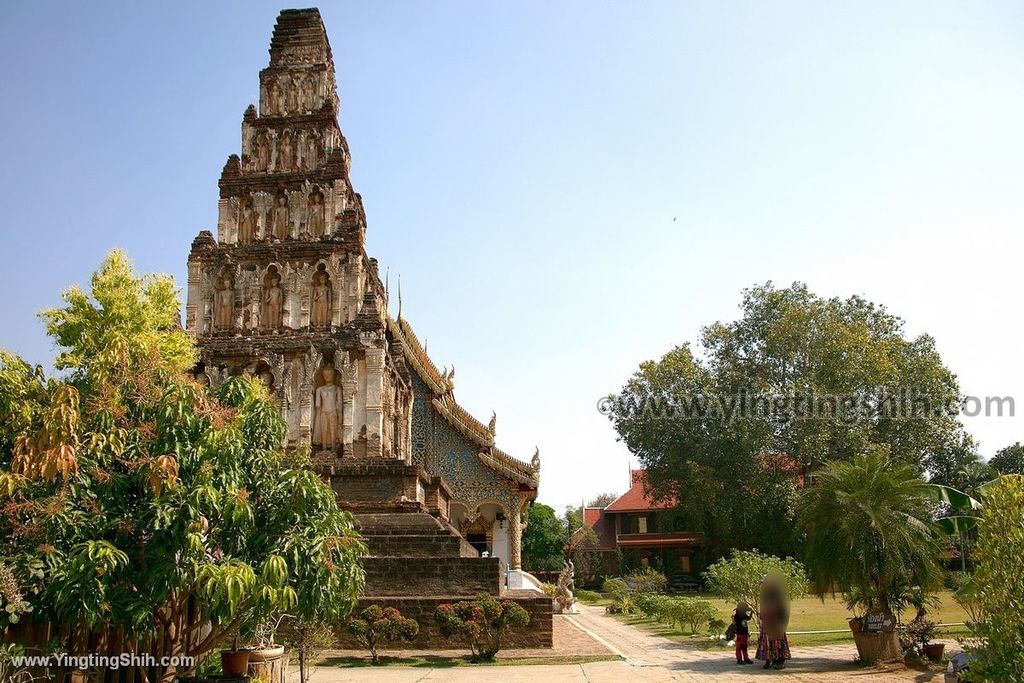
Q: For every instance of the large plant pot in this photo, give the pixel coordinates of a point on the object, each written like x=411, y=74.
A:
x=934, y=651
x=234, y=662
x=269, y=664
x=265, y=654
x=878, y=646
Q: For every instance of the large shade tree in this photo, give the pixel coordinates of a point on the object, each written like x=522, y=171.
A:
x=130, y=495
x=796, y=381
x=1009, y=460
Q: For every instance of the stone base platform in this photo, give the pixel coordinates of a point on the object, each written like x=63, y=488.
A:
x=417, y=559
x=538, y=634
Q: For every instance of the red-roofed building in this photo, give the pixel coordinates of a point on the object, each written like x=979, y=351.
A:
x=647, y=532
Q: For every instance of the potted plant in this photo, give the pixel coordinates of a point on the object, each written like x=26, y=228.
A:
x=920, y=632
x=235, y=661
x=263, y=647
x=867, y=528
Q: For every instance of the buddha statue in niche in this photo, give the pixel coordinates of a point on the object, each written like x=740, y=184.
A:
x=273, y=302
x=327, y=403
x=320, y=307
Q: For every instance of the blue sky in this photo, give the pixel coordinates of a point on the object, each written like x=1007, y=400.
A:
x=567, y=188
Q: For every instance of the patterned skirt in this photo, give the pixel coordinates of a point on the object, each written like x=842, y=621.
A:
x=772, y=649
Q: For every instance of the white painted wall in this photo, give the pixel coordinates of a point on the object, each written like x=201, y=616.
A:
x=499, y=541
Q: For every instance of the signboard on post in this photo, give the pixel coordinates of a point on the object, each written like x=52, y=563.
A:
x=877, y=622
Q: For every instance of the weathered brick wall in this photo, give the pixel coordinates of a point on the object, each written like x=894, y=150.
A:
x=537, y=634
x=429, y=576
x=377, y=481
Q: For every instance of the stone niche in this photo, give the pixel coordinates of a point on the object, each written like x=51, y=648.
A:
x=304, y=211
x=275, y=297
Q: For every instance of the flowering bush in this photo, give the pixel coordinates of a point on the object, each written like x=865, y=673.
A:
x=481, y=623
x=377, y=624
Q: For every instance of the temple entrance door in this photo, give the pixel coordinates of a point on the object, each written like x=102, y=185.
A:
x=478, y=541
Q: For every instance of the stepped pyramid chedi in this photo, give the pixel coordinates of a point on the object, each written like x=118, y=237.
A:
x=286, y=292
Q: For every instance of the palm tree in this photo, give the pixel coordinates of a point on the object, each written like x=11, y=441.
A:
x=867, y=527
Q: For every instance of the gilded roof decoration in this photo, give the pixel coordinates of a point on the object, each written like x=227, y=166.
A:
x=443, y=401
x=439, y=383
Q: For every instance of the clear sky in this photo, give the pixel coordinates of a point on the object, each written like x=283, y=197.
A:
x=567, y=188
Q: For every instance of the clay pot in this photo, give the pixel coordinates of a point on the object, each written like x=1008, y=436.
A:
x=234, y=662
x=934, y=651
x=257, y=656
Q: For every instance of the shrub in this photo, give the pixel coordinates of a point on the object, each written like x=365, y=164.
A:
x=617, y=591
x=481, y=623
x=549, y=589
x=376, y=624
x=716, y=627
x=613, y=587
x=646, y=580
x=738, y=577
x=693, y=612
x=999, y=562
x=653, y=606
x=586, y=596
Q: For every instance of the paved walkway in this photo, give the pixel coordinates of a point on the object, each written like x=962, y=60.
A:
x=647, y=658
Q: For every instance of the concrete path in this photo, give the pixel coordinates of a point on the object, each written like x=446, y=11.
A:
x=647, y=658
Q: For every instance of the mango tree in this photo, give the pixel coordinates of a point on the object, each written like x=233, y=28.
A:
x=131, y=496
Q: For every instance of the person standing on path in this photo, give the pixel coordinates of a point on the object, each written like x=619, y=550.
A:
x=740, y=619
x=772, y=644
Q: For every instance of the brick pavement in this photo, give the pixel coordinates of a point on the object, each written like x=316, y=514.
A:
x=648, y=658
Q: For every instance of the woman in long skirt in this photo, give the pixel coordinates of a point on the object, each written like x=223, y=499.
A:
x=772, y=644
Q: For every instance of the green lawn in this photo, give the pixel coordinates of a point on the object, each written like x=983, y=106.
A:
x=808, y=614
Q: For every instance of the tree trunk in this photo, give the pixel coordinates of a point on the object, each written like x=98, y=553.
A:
x=963, y=551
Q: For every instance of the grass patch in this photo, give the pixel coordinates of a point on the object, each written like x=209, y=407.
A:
x=807, y=614
x=442, y=662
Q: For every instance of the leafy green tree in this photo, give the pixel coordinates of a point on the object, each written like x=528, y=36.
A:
x=544, y=539
x=129, y=493
x=602, y=500
x=581, y=547
x=868, y=528
x=482, y=623
x=1009, y=460
x=729, y=421
x=738, y=577
x=1000, y=565
x=376, y=625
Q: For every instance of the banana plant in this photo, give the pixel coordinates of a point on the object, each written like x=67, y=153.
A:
x=964, y=510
